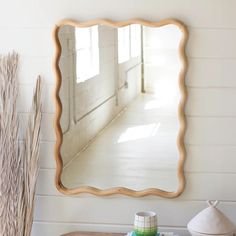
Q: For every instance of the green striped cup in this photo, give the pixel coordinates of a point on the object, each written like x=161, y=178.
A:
x=145, y=223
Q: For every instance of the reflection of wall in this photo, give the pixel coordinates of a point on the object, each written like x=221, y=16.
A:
x=161, y=56
x=66, y=37
x=130, y=73
x=93, y=102
x=96, y=90
x=162, y=65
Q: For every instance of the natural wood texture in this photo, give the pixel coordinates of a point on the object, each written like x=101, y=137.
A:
x=180, y=139
x=92, y=234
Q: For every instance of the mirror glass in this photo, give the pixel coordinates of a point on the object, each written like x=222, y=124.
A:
x=120, y=99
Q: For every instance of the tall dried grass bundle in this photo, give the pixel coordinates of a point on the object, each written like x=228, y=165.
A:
x=9, y=148
x=18, y=164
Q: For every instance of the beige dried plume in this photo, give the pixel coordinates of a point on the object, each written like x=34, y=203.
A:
x=18, y=163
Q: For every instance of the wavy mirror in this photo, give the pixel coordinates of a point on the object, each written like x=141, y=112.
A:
x=120, y=97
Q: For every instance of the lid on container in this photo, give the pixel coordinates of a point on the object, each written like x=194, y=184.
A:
x=211, y=221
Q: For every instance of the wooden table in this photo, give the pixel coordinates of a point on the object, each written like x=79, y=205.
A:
x=93, y=234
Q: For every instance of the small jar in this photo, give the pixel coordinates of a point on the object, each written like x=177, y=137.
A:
x=145, y=223
x=211, y=222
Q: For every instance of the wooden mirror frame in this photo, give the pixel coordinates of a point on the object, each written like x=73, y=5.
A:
x=181, y=116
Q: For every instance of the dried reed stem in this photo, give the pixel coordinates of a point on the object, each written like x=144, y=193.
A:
x=30, y=159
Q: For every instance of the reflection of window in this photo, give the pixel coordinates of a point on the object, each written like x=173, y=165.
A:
x=129, y=42
x=123, y=44
x=135, y=42
x=87, y=53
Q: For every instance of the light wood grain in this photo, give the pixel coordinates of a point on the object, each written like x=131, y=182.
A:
x=182, y=120
x=53, y=228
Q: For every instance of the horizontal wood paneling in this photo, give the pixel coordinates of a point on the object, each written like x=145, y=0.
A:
x=199, y=185
x=221, y=46
x=47, y=126
x=211, y=102
x=211, y=159
x=212, y=43
x=32, y=66
x=211, y=131
x=95, y=210
x=211, y=72
x=219, y=130
x=27, y=42
x=46, y=155
x=26, y=91
x=201, y=13
x=45, y=183
x=202, y=101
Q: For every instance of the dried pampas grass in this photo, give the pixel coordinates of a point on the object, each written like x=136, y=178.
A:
x=18, y=163
x=10, y=162
x=30, y=166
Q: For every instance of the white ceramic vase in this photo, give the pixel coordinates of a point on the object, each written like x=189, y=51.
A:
x=211, y=221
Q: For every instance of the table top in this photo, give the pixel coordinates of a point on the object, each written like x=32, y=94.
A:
x=93, y=234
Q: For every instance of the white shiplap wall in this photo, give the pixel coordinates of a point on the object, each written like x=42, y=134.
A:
x=26, y=27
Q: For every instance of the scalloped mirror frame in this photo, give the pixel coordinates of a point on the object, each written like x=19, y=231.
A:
x=181, y=116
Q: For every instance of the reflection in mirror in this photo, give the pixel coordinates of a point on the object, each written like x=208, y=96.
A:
x=120, y=99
